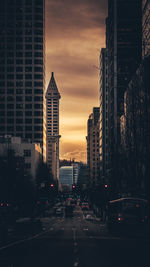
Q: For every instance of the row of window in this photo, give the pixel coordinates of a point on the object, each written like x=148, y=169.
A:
x=37, y=136
x=20, y=83
x=19, y=121
x=20, y=69
x=20, y=113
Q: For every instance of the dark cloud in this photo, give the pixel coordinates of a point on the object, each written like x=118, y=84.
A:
x=71, y=16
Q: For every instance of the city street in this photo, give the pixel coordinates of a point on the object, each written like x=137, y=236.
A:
x=76, y=242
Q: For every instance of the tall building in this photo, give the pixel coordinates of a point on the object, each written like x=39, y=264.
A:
x=52, y=127
x=146, y=27
x=93, y=147
x=136, y=132
x=103, y=119
x=22, y=77
x=124, y=44
x=66, y=178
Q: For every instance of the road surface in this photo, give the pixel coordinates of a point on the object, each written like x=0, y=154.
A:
x=76, y=242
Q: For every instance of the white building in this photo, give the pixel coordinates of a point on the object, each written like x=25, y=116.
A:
x=76, y=169
x=52, y=127
x=31, y=152
x=66, y=177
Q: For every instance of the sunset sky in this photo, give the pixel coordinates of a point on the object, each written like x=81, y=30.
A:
x=75, y=33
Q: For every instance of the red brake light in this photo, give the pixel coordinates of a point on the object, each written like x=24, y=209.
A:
x=120, y=218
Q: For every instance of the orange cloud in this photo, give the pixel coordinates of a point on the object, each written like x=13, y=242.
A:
x=75, y=33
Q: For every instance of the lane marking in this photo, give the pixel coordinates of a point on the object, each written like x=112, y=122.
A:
x=76, y=264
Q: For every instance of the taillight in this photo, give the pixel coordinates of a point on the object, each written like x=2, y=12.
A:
x=120, y=217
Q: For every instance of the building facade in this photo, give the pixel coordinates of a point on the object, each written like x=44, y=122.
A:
x=66, y=178
x=136, y=132
x=103, y=119
x=93, y=147
x=76, y=169
x=30, y=152
x=124, y=46
x=22, y=75
x=146, y=27
x=52, y=127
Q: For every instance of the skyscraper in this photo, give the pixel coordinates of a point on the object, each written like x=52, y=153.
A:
x=22, y=78
x=93, y=147
x=103, y=119
x=52, y=127
x=146, y=27
x=124, y=44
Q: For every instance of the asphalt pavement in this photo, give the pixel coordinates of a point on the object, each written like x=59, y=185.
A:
x=75, y=242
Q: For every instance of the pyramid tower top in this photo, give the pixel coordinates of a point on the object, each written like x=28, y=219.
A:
x=52, y=87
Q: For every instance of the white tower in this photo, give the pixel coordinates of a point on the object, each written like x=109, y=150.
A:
x=52, y=127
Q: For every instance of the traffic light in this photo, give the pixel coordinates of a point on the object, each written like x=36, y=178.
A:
x=51, y=185
x=73, y=187
x=106, y=186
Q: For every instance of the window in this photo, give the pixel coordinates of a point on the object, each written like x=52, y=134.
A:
x=27, y=152
x=28, y=91
x=38, y=69
x=19, y=91
x=19, y=113
x=28, y=98
x=28, y=113
x=28, y=61
x=19, y=121
x=19, y=69
x=28, y=106
x=19, y=98
x=28, y=76
x=29, y=121
x=28, y=128
x=19, y=106
x=19, y=128
x=28, y=69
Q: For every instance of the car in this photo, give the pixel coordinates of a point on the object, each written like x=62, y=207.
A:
x=59, y=212
x=85, y=206
x=89, y=217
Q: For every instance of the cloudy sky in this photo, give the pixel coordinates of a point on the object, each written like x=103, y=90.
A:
x=75, y=33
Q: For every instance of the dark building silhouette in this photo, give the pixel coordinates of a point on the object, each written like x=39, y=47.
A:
x=103, y=119
x=124, y=44
x=93, y=147
x=22, y=78
x=136, y=132
x=146, y=27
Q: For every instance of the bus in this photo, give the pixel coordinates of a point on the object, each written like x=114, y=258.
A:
x=127, y=213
